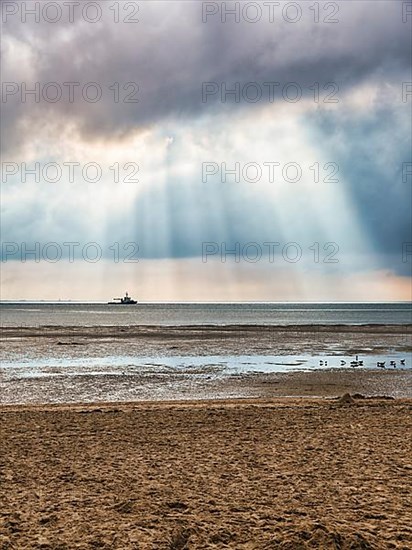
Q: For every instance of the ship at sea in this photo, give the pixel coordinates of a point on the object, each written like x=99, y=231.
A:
x=126, y=301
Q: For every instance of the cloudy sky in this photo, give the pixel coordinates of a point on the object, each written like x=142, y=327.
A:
x=188, y=150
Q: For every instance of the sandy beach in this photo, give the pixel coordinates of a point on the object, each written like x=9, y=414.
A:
x=197, y=455
x=288, y=474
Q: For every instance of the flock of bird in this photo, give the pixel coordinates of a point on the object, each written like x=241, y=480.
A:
x=382, y=364
x=359, y=363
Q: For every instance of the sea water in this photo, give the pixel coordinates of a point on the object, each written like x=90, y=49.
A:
x=33, y=314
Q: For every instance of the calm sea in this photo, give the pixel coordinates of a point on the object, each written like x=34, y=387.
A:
x=42, y=313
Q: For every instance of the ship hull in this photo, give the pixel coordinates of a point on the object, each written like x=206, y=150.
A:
x=132, y=303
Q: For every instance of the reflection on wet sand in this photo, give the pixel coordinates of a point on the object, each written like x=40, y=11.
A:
x=86, y=364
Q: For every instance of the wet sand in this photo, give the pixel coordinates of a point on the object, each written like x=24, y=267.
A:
x=205, y=339
x=252, y=474
x=189, y=386
x=205, y=382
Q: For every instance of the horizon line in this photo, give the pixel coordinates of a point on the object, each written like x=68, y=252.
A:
x=103, y=302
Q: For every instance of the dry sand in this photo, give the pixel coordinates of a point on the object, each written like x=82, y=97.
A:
x=255, y=474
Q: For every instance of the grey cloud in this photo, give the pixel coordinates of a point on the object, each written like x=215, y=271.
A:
x=170, y=52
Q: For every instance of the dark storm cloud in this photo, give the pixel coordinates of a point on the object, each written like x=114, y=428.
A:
x=171, y=52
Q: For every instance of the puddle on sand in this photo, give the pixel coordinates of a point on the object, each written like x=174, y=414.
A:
x=216, y=365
